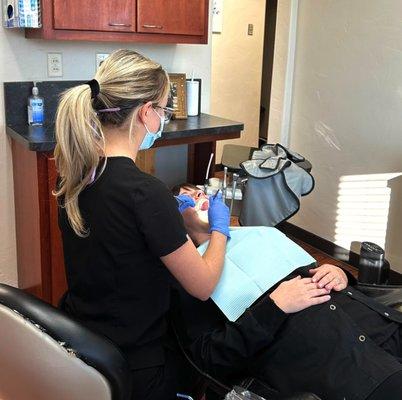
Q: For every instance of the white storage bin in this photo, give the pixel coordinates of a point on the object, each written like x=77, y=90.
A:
x=21, y=14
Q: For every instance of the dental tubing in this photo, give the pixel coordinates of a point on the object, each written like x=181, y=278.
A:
x=207, y=173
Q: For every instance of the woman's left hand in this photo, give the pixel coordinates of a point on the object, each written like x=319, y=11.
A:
x=184, y=201
x=329, y=277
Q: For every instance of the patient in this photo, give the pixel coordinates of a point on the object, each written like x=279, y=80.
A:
x=195, y=219
x=346, y=348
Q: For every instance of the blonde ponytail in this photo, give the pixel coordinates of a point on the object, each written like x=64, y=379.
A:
x=126, y=80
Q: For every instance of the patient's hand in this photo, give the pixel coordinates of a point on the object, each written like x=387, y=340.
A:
x=330, y=277
x=297, y=294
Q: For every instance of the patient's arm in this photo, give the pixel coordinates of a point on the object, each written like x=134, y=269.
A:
x=228, y=347
x=223, y=348
x=197, y=229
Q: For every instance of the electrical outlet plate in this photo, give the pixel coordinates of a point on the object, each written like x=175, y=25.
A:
x=100, y=57
x=54, y=65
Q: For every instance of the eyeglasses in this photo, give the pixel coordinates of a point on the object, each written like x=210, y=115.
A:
x=167, y=111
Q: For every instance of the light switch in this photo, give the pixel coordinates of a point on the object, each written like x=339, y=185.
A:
x=54, y=65
x=250, y=30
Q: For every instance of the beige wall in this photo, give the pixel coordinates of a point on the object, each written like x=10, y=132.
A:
x=279, y=71
x=237, y=66
x=347, y=118
x=22, y=59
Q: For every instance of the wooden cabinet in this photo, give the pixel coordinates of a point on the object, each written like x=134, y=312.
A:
x=179, y=17
x=39, y=249
x=156, y=21
x=95, y=15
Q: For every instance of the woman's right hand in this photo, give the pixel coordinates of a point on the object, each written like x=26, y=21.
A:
x=218, y=215
x=297, y=294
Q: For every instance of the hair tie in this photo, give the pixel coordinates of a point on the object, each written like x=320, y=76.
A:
x=95, y=88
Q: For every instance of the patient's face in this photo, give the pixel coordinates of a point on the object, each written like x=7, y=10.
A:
x=200, y=198
x=201, y=201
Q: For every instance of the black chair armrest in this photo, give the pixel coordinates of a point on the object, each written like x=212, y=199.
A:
x=388, y=295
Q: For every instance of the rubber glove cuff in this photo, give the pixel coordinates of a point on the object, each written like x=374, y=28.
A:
x=221, y=229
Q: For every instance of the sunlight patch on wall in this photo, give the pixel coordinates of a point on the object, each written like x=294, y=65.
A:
x=362, y=210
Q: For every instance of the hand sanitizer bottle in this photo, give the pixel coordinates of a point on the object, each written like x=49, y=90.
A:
x=35, y=108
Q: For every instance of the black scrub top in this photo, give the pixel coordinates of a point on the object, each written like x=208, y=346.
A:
x=117, y=284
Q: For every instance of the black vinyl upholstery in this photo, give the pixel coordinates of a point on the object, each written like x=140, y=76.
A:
x=93, y=349
x=388, y=295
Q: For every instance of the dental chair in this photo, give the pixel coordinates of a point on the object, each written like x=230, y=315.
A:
x=46, y=355
x=233, y=155
x=272, y=179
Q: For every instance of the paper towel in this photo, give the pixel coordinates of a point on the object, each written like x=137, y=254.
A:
x=193, y=90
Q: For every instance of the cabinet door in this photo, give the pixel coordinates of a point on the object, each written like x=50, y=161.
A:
x=180, y=17
x=95, y=15
x=57, y=272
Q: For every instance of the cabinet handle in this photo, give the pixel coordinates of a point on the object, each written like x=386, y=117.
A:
x=152, y=26
x=117, y=24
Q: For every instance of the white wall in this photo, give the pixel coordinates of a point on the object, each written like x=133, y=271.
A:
x=22, y=60
x=347, y=119
x=279, y=71
x=236, y=68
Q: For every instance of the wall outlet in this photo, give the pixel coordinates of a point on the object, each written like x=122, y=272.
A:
x=100, y=57
x=54, y=65
x=250, y=29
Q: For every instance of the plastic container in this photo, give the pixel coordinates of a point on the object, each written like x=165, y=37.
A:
x=193, y=90
x=36, y=108
x=373, y=267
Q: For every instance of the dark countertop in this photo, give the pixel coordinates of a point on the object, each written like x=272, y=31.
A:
x=41, y=138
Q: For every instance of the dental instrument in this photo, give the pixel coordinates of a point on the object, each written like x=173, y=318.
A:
x=225, y=172
x=234, y=184
x=207, y=174
x=216, y=194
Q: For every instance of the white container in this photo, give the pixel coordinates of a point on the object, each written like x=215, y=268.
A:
x=21, y=14
x=215, y=182
x=193, y=91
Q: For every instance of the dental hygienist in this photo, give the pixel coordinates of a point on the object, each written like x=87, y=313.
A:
x=122, y=232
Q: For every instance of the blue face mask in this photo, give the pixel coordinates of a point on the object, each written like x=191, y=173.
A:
x=150, y=137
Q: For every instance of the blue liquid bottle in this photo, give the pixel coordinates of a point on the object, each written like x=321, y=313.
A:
x=36, y=108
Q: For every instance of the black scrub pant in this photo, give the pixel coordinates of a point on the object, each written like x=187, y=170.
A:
x=340, y=349
x=391, y=389
x=164, y=381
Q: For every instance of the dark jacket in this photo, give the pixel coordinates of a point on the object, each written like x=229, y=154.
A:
x=335, y=349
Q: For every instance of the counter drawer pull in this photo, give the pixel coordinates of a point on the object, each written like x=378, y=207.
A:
x=117, y=24
x=152, y=26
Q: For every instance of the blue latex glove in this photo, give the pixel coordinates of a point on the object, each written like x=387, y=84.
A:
x=218, y=215
x=185, y=201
